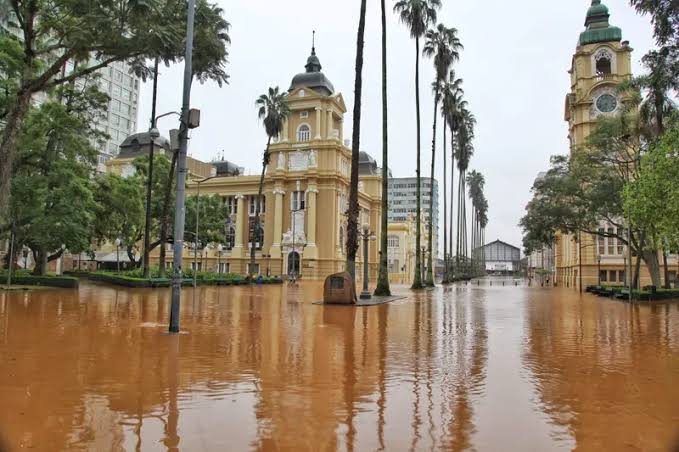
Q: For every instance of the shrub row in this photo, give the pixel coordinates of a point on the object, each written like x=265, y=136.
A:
x=24, y=278
x=639, y=295
x=129, y=279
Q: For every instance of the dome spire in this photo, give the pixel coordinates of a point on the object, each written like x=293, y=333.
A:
x=313, y=64
x=598, y=27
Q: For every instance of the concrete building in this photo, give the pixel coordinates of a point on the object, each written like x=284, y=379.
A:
x=403, y=202
x=306, y=193
x=602, y=61
x=540, y=265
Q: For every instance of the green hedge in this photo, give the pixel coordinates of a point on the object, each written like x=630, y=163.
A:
x=25, y=278
x=131, y=279
x=637, y=294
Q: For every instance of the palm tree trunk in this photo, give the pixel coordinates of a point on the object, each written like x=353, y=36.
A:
x=164, y=217
x=452, y=193
x=149, y=185
x=383, y=278
x=258, y=203
x=417, y=283
x=445, y=205
x=430, y=261
x=352, y=221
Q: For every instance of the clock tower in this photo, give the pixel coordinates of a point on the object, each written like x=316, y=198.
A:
x=602, y=61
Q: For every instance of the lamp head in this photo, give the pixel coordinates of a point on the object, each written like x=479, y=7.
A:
x=117, y=242
x=154, y=133
x=220, y=248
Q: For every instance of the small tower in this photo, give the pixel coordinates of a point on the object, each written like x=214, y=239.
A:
x=601, y=62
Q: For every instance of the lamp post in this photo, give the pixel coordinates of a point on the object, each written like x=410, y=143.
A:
x=186, y=124
x=268, y=268
x=196, y=244
x=117, y=243
x=61, y=259
x=598, y=259
x=423, y=254
x=220, y=248
x=195, y=251
x=367, y=235
x=294, y=223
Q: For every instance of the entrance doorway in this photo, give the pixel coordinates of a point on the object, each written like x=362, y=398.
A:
x=293, y=263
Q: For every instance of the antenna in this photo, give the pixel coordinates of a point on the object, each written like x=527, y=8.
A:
x=313, y=41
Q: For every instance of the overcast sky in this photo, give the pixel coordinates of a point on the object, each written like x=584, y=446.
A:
x=514, y=66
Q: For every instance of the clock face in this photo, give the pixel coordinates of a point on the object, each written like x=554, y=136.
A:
x=606, y=103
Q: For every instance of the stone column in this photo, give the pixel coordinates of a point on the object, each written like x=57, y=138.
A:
x=284, y=138
x=277, y=224
x=330, y=125
x=311, y=252
x=318, y=123
x=237, y=251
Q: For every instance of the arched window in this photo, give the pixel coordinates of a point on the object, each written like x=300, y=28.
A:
x=603, y=66
x=303, y=133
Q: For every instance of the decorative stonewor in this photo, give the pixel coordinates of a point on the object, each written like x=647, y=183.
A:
x=240, y=227
x=278, y=223
x=339, y=289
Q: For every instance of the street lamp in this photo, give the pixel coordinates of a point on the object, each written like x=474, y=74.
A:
x=423, y=254
x=367, y=235
x=220, y=248
x=117, y=243
x=598, y=259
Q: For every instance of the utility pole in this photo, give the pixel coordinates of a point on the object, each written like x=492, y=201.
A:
x=181, y=173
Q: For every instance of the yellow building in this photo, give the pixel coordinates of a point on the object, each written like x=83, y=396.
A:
x=601, y=62
x=401, y=251
x=306, y=192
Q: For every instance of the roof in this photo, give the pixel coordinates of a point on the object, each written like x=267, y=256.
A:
x=313, y=78
x=598, y=27
x=502, y=243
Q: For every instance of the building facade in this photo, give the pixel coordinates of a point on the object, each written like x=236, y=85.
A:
x=403, y=202
x=501, y=257
x=305, y=195
x=602, y=61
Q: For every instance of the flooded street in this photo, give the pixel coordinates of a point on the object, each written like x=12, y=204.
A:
x=263, y=368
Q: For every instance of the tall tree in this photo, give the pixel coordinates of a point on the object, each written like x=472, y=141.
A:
x=272, y=110
x=57, y=31
x=382, y=288
x=352, y=220
x=464, y=152
x=417, y=15
x=444, y=46
x=451, y=107
x=54, y=168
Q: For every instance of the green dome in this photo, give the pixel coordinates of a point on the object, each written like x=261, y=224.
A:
x=598, y=27
x=597, y=9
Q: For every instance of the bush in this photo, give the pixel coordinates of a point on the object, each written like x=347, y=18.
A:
x=25, y=278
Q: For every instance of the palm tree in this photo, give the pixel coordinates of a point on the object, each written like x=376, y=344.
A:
x=272, y=110
x=383, y=278
x=476, y=181
x=417, y=15
x=352, y=218
x=451, y=107
x=444, y=46
x=464, y=152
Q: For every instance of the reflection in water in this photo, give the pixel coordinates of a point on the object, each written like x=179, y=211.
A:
x=262, y=368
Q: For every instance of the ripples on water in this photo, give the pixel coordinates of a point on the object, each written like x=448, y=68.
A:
x=262, y=368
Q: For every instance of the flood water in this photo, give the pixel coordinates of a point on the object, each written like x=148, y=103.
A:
x=262, y=368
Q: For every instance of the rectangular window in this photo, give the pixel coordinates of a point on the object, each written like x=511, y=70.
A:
x=115, y=105
x=620, y=244
x=253, y=205
x=613, y=275
x=621, y=276
x=611, y=242
x=304, y=114
x=119, y=76
x=297, y=201
x=253, y=269
x=117, y=90
x=602, y=242
x=603, y=274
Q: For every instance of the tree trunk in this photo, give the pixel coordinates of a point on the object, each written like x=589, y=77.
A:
x=40, y=256
x=445, y=205
x=430, y=260
x=8, y=138
x=666, y=269
x=352, y=221
x=651, y=260
x=164, y=217
x=417, y=283
x=383, y=278
x=149, y=185
x=258, y=203
x=452, y=194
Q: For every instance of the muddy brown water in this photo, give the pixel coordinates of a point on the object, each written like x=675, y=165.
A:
x=262, y=368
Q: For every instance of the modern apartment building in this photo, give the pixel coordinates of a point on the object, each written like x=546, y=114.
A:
x=403, y=201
